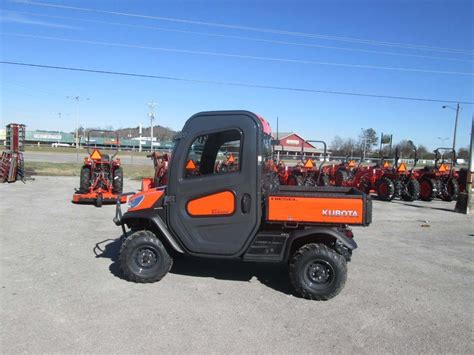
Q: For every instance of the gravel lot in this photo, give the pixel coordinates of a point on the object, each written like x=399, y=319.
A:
x=410, y=287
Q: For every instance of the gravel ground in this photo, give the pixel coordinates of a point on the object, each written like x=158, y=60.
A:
x=409, y=289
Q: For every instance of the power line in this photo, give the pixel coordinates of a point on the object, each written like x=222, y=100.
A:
x=261, y=40
x=228, y=83
x=255, y=29
x=240, y=56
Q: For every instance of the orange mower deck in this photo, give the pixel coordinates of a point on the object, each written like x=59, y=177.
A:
x=97, y=198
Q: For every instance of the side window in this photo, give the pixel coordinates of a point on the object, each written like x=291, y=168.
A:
x=214, y=153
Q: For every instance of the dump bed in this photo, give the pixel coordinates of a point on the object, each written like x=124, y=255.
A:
x=318, y=205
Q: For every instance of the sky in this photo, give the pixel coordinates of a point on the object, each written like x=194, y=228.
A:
x=411, y=48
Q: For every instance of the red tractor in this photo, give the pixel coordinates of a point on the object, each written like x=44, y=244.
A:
x=439, y=180
x=160, y=163
x=305, y=173
x=101, y=179
x=397, y=181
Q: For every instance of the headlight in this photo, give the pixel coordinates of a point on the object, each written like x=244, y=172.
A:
x=135, y=201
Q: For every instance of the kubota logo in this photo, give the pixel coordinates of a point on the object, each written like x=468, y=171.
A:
x=340, y=213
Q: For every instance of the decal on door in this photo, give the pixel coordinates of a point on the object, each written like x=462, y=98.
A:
x=217, y=204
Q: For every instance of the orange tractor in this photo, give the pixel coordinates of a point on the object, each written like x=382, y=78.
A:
x=101, y=179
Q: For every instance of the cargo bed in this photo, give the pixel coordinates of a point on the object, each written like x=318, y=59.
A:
x=318, y=205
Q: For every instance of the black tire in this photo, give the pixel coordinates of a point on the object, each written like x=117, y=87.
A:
x=99, y=201
x=386, y=189
x=323, y=179
x=299, y=180
x=317, y=272
x=450, y=190
x=117, y=185
x=411, y=192
x=143, y=258
x=85, y=180
x=428, y=189
x=341, y=176
x=364, y=186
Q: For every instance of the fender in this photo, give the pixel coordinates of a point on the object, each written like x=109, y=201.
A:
x=349, y=243
x=154, y=220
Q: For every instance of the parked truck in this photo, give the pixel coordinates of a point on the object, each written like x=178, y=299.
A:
x=240, y=212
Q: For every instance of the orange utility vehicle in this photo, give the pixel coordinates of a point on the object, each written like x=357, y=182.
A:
x=240, y=213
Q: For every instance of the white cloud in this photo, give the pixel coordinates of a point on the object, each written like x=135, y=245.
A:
x=21, y=19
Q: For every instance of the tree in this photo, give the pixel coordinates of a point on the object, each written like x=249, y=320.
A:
x=423, y=152
x=463, y=153
x=367, y=140
x=405, y=149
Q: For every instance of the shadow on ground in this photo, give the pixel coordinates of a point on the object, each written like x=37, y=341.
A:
x=430, y=207
x=274, y=276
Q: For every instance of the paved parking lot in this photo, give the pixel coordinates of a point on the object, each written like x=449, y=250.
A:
x=410, y=287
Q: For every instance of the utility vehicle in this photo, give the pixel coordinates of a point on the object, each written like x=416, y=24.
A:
x=240, y=213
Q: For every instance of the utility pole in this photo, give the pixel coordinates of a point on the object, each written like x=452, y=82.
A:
x=455, y=128
x=151, y=114
x=140, y=137
x=77, y=99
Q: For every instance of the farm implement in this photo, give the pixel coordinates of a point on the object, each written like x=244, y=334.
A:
x=101, y=178
x=12, y=166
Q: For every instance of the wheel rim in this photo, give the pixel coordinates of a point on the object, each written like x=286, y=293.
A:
x=145, y=258
x=318, y=274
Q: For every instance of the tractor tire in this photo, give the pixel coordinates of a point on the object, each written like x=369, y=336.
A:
x=412, y=191
x=386, y=189
x=299, y=180
x=99, y=201
x=85, y=180
x=450, y=190
x=428, y=189
x=317, y=272
x=117, y=185
x=341, y=176
x=143, y=258
x=364, y=186
x=323, y=179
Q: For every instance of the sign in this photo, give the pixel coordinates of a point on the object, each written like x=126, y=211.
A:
x=292, y=142
x=47, y=136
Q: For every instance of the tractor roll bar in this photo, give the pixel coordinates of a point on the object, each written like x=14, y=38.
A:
x=101, y=131
x=324, y=154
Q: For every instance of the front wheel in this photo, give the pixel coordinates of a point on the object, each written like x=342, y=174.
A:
x=143, y=258
x=317, y=272
x=386, y=189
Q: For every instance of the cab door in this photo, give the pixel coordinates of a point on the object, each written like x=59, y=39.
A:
x=214, y=201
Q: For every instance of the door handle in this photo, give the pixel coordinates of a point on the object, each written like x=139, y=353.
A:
x=245, y=203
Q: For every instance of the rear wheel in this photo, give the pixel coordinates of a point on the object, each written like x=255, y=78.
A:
x=411, y=192
x=84, y=182
x=323, y=179
x=386, y=189
x=450, y=190
x=428, y=189
x=317, y=272
x=143, y=258
x=117, y=186
x=341, y=176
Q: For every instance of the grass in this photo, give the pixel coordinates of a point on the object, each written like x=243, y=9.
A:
x=72, y=150
x=134, y=172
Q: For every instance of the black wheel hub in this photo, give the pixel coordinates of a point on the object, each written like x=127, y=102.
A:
x=146, y=258
x=319, y=272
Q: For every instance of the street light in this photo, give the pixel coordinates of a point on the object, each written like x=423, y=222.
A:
x=77, y=98
x=457, y=109
x=443, y=140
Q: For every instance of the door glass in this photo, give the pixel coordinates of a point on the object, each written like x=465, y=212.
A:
x=214, y=153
